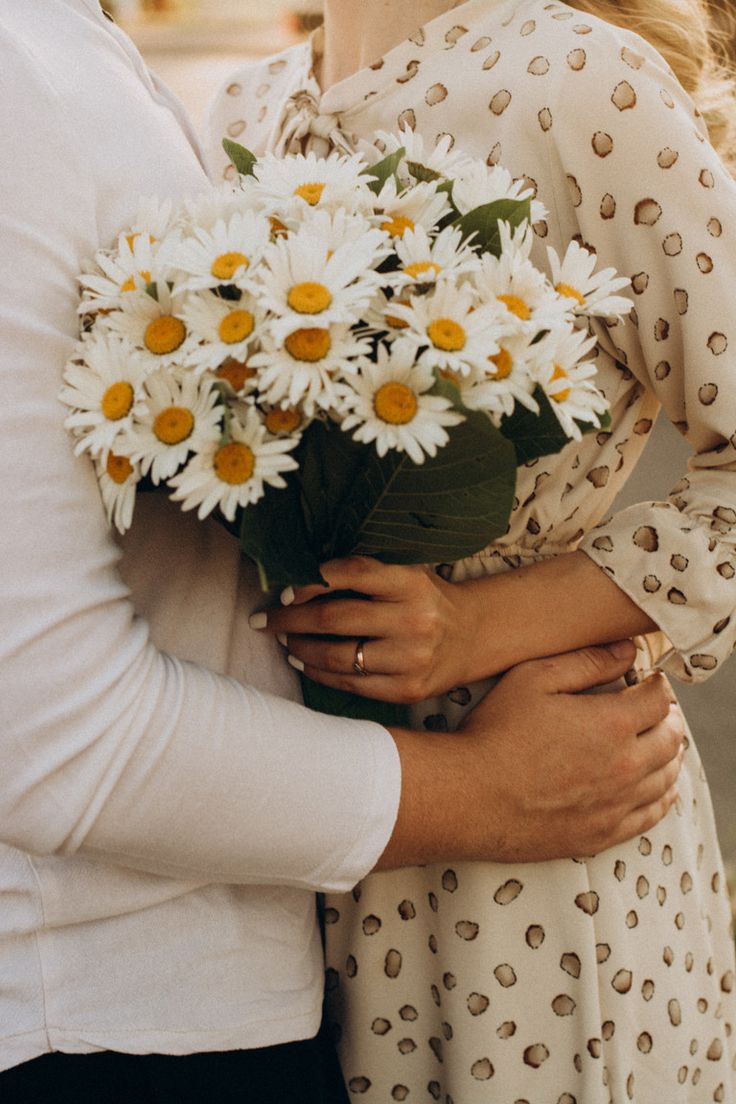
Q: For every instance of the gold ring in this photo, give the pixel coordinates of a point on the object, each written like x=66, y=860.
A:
x=359, y=662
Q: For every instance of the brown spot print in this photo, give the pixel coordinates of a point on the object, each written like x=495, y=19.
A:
x=576, y=59
x=682, y=301
x=640, y=282
x=661, y=896
x=726, y=570
x=708, y=393
x=674, y=1012
x=571, y=964
x=495, y=155
x=535, y=936
x=603, y=544
x=480, y=44
x=376, y=66
x=576, y=196
x=662, y=370
x=567, y=1098
x=727, y=982
x=666, y=98
x=331, y=916
x=262, y=113
x=508, y=892
x=679, y=563
x=506, y=1030
x=467, y=930
x=672, y=245
x=608, y=207
x=406, y=910
x=632, y=920
x=661, y=329
x=533, y=527
x=646, y=538
x=400, y=1092
x=432, y=944
x=449, y=981
x=408, y=1013
x=644, y=1042
x=668, y=956
x=492, y=60
x=588, y=902
x=686, y=883
x=371, y=925
x=436, y=94
x=582, y=29
x=694, y=1046
x=599, y=476
x=234, y=89
x=262, y=90
x=419, y=37
x=277, y=66
x=643, y=426
x=536, y=1055
x=434, y=1089
x=563, y=1005
x=527, y=28
x=538, y=66
x=351, y=966
x=714, y=1052
x=359, y=1085
x=460, y=695
x=433, y=902
x=408, y=119
x=435, y=1045
x=647, y=989
x=622, y=981
x=602, y=143
x=706, y=178
x=715, y=228
x=412, y=68
x=393, y=963
x=435, y=995
x=380, y=1026
x=482, y=1070
x=500, y=102
x=602, y=953
x=478, y=1004
x=236, y=129
x=721, y=625
x=676, y=597
x=505, y=975
x=541, y=228
x=449, y=881
x=406, y=1046
x=705, y=263
x=703, y=662
x=455, y=34
x=578, y=1063
x=545, y=119
x=619, y=870
x=666, y=158
x=594, y=1048
x=624, y=96
x=632, y=59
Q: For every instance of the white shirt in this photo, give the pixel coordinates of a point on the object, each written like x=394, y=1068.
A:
x=162, y=824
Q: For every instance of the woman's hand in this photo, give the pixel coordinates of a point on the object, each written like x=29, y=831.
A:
x=417, y=632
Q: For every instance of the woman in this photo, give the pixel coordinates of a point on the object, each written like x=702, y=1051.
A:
x=609, y=979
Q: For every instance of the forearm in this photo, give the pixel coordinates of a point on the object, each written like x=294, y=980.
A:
x=544, y=609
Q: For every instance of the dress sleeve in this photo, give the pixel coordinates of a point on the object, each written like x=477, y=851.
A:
x=110, y=748
x=652, y=197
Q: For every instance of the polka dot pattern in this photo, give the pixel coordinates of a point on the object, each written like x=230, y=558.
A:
x=610, y=979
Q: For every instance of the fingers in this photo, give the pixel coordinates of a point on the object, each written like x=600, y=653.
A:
x=361, y=574
x=645, y=705
x=657, y=784
x=661, y=744
x=379, y=687
x=584, y=669
x=337, y=657
x=645, y=818
x=353, y=617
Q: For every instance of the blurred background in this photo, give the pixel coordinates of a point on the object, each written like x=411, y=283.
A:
x=194, y=45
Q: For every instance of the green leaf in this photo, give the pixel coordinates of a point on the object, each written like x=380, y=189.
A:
x=272, y=533
x=242, y=158
x=421, y=173
x=534, y=435
x=483, y=222
x=338, y=703
x=329, y=461
x=449, y=507
x=384, y=169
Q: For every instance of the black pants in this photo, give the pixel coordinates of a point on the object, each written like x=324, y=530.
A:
x=295, y=1073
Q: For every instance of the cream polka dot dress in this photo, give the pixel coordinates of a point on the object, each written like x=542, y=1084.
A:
x=610, y=979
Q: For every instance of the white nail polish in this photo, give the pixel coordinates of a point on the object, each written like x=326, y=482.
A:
x=287, y=596
x=283, y=639
x=295, y=663
x=258, y=620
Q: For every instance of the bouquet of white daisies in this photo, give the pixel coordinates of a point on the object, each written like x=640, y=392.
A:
x=333, y=357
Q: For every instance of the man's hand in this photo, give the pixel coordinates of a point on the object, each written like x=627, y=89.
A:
x=541, y=771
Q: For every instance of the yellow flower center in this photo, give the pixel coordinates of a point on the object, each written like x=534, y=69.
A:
x=283, y=421
x=558, y=374
x=173, y=425
x=309, y=344
x=419, y=268
x=395, y=403
x=119, y=468
x=503, y=364
x=236, y=326
x=450, y=376
x=164, y=335
x=117, y=401
x=236, y=373
x=571, y=292
x=397, y=225
x=278, y=229
x=226, y=265
x=131, y=239
x=446, y=334
x=234, y=463
x=310, y=193
x=516, y=305
x=309, y=298
x=394, y=322
x=130, y=284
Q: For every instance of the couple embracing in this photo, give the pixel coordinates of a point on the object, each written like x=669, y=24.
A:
x=168, y=808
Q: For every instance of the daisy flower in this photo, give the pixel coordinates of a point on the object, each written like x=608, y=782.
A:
x=440, y=160
x=420, y=205
x=302, y=282
x=153, y=219
x=520, y=291
x=285, y=421
x=104, y=386
x=379, y=318
x=297, y=183
x=231, y=473
x=216, y=204
x=131, y=267
x=390, y=405
x=236, y=377
x=425, y=260
x=118, y=478
x=305, y=368
x=219, y=329
x=153, y=325
x=452, y=331
x=586, y=292
x=476, y=184
x=180, y=415
x=226, y=254
x=567, y=379
x=508, y=378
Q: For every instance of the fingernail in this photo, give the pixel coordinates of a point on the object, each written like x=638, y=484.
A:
x=283, y=639
x=258, y=620
x=287, y=596
x=295, y=663
x=621, y=649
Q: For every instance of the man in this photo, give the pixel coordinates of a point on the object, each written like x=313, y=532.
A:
x=163, y=823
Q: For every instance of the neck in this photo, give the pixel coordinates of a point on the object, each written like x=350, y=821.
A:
x=359, y=32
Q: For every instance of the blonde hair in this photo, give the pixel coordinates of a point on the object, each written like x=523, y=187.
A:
x=686, y=34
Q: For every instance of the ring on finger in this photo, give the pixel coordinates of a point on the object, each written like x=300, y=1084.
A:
x=359, y=661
